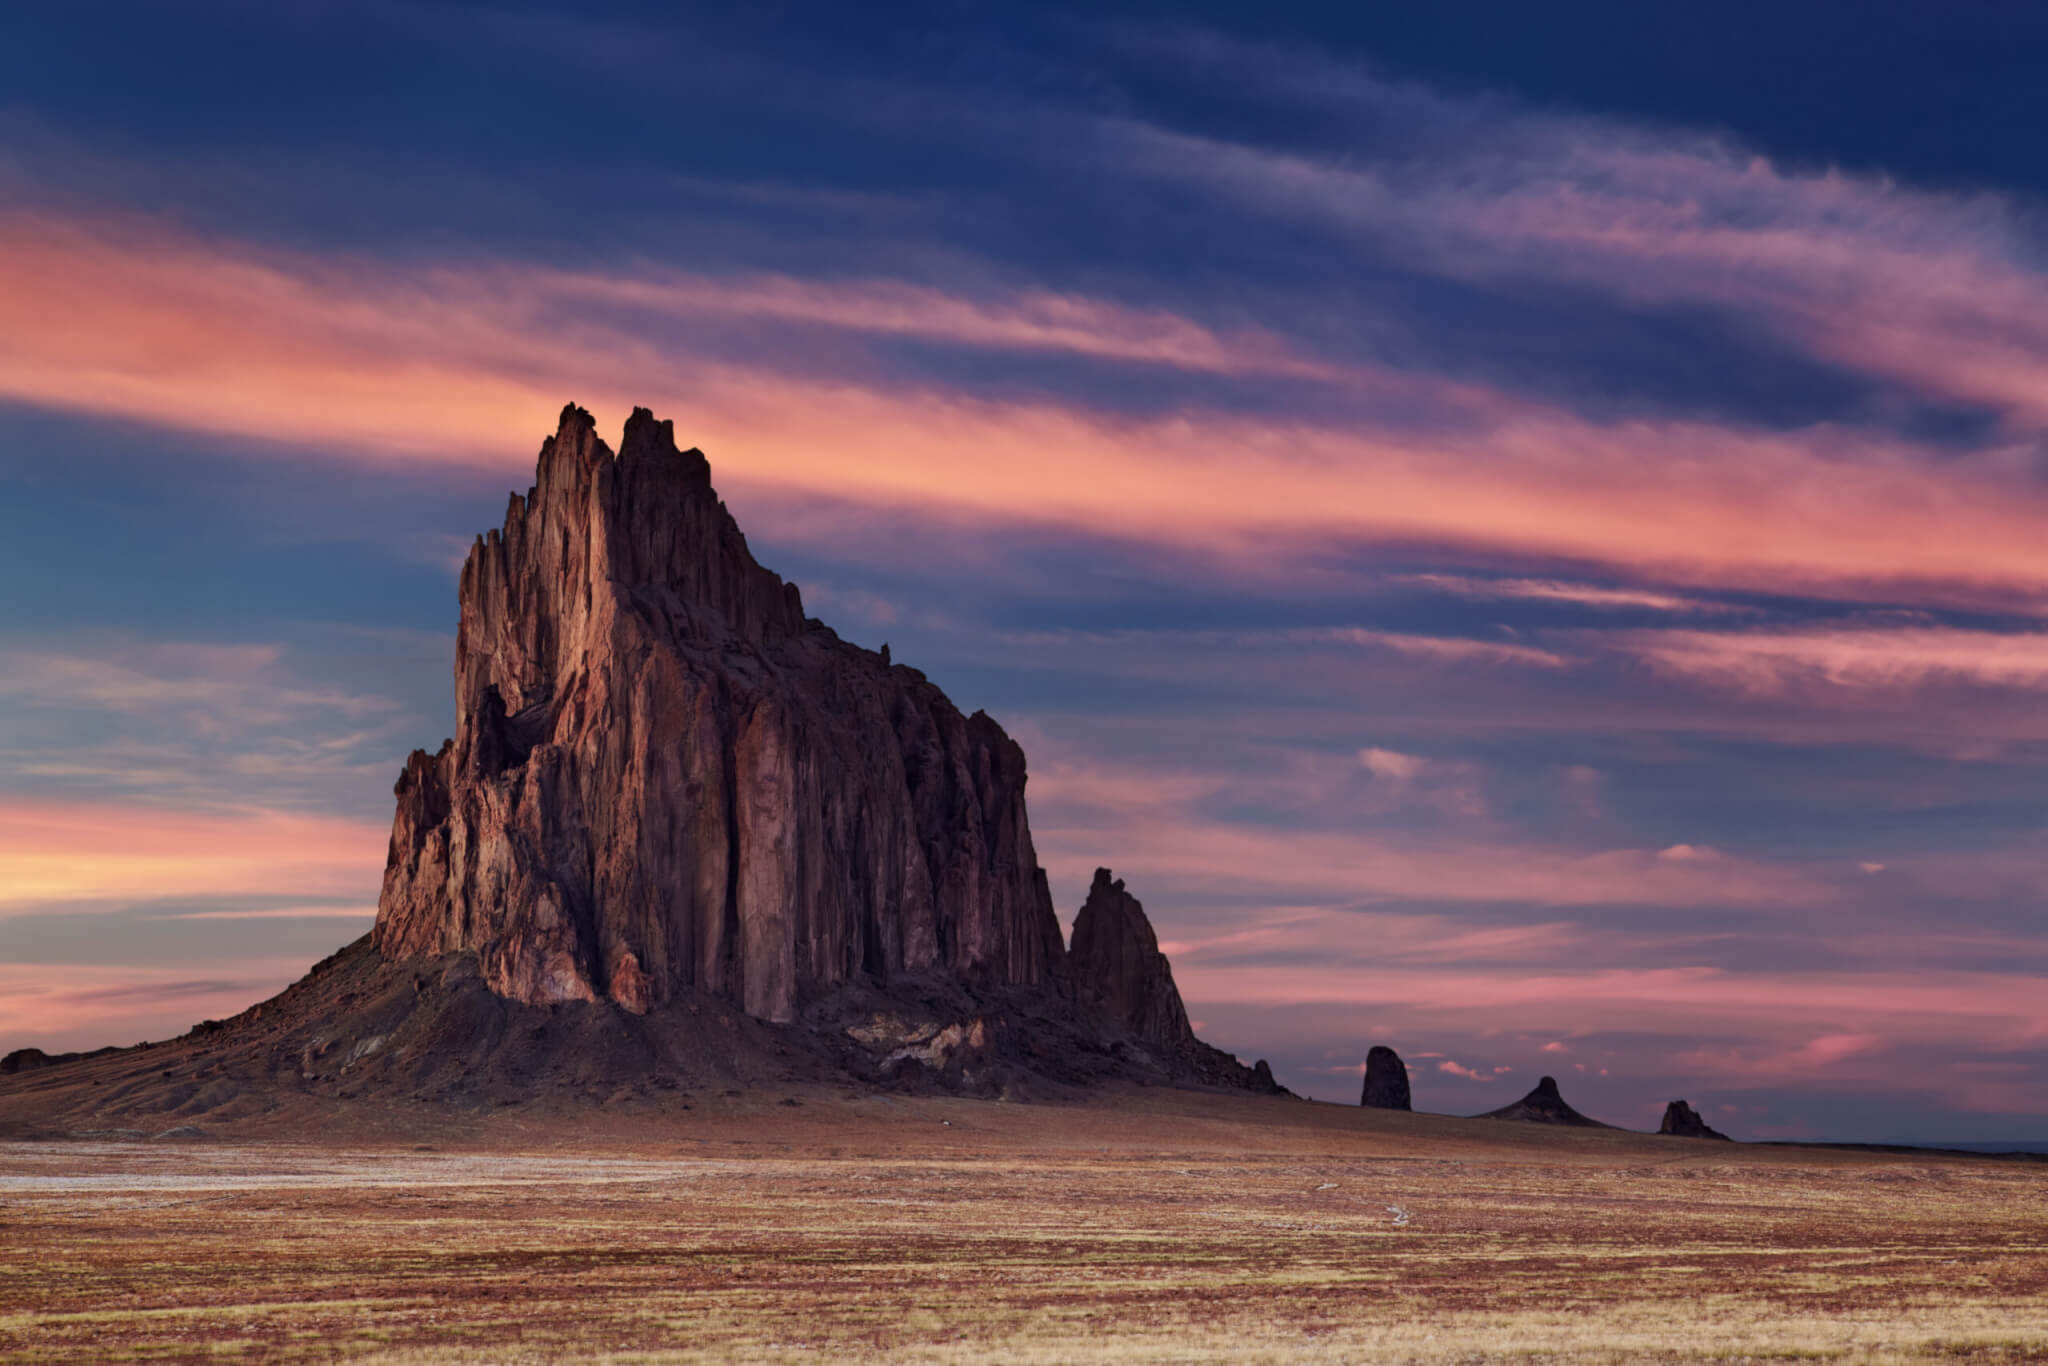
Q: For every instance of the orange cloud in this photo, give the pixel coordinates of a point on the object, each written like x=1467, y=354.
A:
x=466, y=366
x=85, y=1005
x=53, y=852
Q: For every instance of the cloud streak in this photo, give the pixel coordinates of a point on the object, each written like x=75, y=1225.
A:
x=82, y=853
x=456, y=364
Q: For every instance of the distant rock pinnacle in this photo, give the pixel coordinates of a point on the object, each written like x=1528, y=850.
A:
x=1682, y=1121
x=1386, y=1080
x=1544, y=1105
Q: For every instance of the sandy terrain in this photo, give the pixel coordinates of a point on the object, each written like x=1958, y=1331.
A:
x=1151, y=1225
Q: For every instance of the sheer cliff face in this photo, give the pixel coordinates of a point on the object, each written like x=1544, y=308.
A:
x=1117, y=967
x=663, y=776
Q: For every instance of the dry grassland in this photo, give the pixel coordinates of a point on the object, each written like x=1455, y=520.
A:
x=1153, y=1227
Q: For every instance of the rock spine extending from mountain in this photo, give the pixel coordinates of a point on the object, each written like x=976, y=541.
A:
x=1386, y=1080
x=1117, y=967
x=664, y=777
x=1682, y=1121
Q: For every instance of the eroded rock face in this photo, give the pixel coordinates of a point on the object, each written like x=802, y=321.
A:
x=1116, y=965
x=664, y=776
x=1682, y=1121
x=1386, y=1080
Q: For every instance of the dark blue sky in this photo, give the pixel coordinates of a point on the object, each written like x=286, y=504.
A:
x=1516, y=527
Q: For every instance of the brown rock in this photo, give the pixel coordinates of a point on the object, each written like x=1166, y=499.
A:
x=1682, y=1121
x=664, y=776
x=1386, y=1080
x=1116, y=964
x=1121, y=980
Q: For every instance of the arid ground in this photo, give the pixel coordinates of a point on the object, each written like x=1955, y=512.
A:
x=1148, y=1225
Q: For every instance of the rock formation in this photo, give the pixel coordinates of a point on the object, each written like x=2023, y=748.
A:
x=685, y=841
x=664, y=777
x=1544, y=1105
x=1119, y=976
x=1117, y=966
x=1386, y=1080
x=1682, y=1121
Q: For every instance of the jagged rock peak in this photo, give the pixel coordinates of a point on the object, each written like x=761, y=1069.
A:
x=645, y=520
x=1682, y=1121
x=664, y=777
x=1116, y=964
x=1386, y=1080
x=1544, y=1105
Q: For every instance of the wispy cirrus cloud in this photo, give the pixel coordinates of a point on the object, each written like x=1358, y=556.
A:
x=1876, y=658
x=1562, y=591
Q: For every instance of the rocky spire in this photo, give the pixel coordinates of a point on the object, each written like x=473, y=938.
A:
x=1117, y=966
x=1386, y=1080
x=1544, y=1105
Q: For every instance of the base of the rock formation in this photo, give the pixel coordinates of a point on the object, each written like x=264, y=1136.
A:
x=430, y=1032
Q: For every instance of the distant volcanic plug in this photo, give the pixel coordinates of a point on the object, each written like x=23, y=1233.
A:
x=1544, y=1105
x=1682, y=1121
x=1386, y=1080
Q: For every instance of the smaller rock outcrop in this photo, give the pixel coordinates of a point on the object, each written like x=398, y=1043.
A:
x=1118, y=968
x=1544, y=1105
x=1386, y=1081
x=1682, y=1121
x=1121, y=978
x=25, y=1060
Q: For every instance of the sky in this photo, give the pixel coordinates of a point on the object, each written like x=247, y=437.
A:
x=1517, y=530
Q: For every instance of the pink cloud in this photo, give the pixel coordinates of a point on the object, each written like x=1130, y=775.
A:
x=85, y=1005
x=1870, y=658
x=56, y=852
x=1457, y=1069
x=1391, y=764
x=1578, y=594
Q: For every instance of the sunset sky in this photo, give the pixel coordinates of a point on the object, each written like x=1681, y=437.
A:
x=1523, y=539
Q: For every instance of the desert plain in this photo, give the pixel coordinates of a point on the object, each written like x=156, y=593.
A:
x=1142, y=1224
